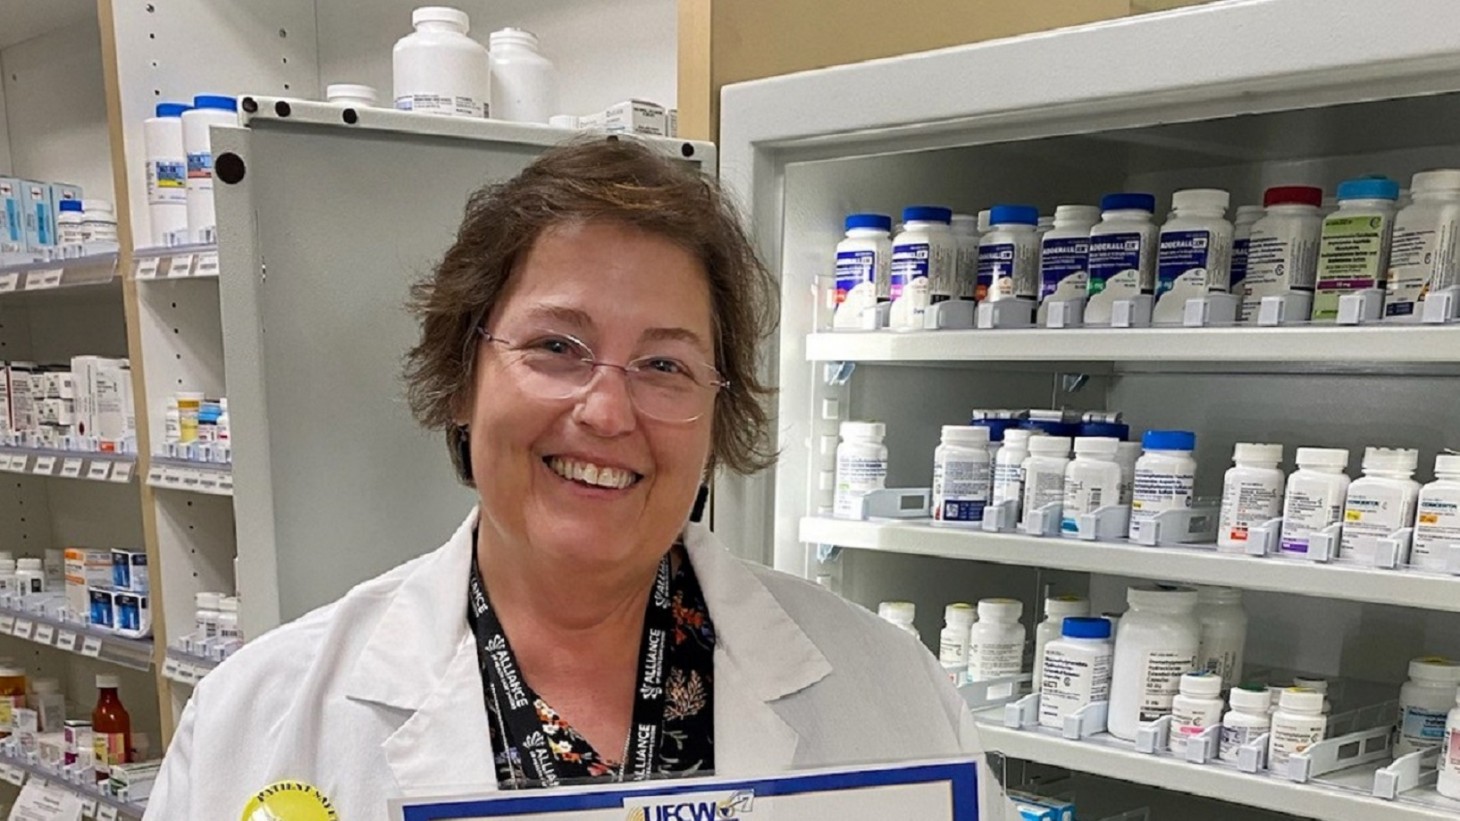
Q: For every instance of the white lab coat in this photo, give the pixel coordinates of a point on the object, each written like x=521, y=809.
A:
x=379, y=694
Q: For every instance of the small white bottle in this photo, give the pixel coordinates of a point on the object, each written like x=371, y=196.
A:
x=996, y=640
x=1424, y=703
x=1064, y=255
x=962, y=476
x=208, y=110
x=523, y=82
x=861, y=466
x=1298, y=724
x=1008, y=255
x=1092, y=481
x=900, y=613
x=30, y=576
x=1223, y=631
x=9, y=584
x=1449, y=784
x=924, y=265
x=1122, y=253
x=953, y=641
x=206, y=609
x=438, y=69
x=863, y=265
x=1242, y=222
x=1425, y=254
x=1196, y=252
x=1314, y=497
x=1009, y=469
x=228, y=629
x=1056, y=610
x=965, y=235
x=1197, y=707
x=1165, y=475
x=98, y=221
x=1075, y=669
x=1379, y=502
x=354, y=95
x=1282, y=254
x=225, y=426
x=172, y=422
x=1437, y=516
x=68, y=224
x=1248, y=719
x=1252, y=493
x=1353, y=250
x=1044, y=473
x=49, y=703
x=167, y=175
x=1157, y=641
x=1317, y=685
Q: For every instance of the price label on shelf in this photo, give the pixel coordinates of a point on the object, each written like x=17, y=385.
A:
x=23, y=628
x=190, y=478
x=88, y=808
x=154, y=476
x=40, y=280
x=66, y=640
x=207, y=265
x=225, y=483
x=45, y=633
x=9, y=282
x=7, y=624
x=91, y=646
x=147, y=267
x=208, y=480
x=44, y=465
x=106, y=812
x=9, y=462
x=12, y=774
x=171, y=669
x=181, y=266
x=122, y=471
x=99, y=470
x=172, y=477
x=71, y=468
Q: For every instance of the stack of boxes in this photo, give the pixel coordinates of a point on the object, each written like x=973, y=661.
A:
x=629, y=117
x=43, y=737
x=108, y=591
x=29, y=216
x=87, y=407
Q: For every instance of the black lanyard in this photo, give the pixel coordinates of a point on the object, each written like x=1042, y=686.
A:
x=507, y=692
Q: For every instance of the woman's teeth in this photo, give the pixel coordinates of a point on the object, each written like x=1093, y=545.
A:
x=591, y=474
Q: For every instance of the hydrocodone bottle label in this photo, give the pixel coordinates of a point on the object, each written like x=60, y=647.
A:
x=1161, y=681
x=1155, y=491
x=1437, y=525
x=994, y=660
x=1370, y=514
x=1350, y=258
x=1234, y=738
x=960, y=490
x=854, y=268
x=855, y=478
x=1421, y=727
x=167, y=182
x=1307, y=510
x=1070, y=682
x=1276, y=264
x=1062, y=269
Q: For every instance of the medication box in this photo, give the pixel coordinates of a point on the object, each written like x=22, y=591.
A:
x=85, y=568
x=129, y=571
x=1039, y=808
x=12, y=219
x=40, y=216
x=131, y=615
x=133, y=782
x=102, y=607
x=630, y=117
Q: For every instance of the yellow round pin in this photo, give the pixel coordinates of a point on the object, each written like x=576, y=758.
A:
x=289, y=801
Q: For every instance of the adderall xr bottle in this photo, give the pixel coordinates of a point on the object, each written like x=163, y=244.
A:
x=1122, y=253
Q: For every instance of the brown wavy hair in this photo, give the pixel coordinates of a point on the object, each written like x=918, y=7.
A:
x=621, y=180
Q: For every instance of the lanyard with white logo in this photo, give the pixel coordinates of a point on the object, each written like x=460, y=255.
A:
x=507, y=692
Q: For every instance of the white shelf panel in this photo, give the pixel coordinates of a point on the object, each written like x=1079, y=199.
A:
x=80, y=639
x=192, y=477
x=177, y=262
x=1314, y=343
x=97, y=804
x=186, y=668
x=68, y=464
x=1344, y=797
x=1196, y=564
x=89, y=271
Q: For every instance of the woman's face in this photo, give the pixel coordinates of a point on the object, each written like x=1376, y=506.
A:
x=626, y=294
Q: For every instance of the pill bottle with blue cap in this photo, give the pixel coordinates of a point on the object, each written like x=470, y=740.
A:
x=1353, y=249
x=966, y=236
x=208, y=110
x=1122, y=253
x=1008, y=255
x=924, y=265
x=1165, y=477
x=1075, y=669
x=863, y=268
x=167, y=175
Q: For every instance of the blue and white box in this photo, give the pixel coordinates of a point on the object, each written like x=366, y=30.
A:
x=40, y=216
x=12, y=218
x=129, y=571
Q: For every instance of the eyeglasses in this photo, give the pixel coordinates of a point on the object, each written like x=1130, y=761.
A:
x=668, y=387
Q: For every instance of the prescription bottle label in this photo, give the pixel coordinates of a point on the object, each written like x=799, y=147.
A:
x=1187, y=264
x=909, y=263
x=1062, y=266
x=854, y=268
x=1161, y=681
x=1115, y=264
x=1350, y=258
x=1419, y=259
x=167, y=182
x=960, y=489
x=1240, y=248
x=110, y=748
x=1425, y=728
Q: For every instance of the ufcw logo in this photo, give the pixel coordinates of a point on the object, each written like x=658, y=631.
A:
x=693, y=807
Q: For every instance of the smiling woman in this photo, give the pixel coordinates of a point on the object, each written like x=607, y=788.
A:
x=588, y=347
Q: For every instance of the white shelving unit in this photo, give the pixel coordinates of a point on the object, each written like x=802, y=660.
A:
x=1248, y=95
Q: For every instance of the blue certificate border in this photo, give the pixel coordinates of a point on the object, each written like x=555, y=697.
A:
x=961, y=777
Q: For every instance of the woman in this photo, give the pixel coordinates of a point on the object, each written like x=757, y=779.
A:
x=589, y=346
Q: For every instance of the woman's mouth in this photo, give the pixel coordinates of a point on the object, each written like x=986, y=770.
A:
x=593, y=475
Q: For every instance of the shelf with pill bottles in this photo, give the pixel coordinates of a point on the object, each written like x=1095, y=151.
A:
x=92, y=466
x=45, y=620
x=196, y=454
x=17, y=769
x=215, y=637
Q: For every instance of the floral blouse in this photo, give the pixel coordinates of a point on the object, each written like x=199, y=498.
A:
x=687, y=743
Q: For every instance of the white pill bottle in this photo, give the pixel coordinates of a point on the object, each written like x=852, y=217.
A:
x=1056, y=610
x=1424, y=703
x=1223, y=631
x=863, y=269
x=1315, y=495
x=996, y=640
x=167, y=175
x=438, y=69
x=924, y=265
x=1157, y=642
x=1298, y=724
x=524, y=84
x=1008, y=255
x=1449, y=784
x=1437, y=517
x=1197, y=707
x=953, y=641
x=1092, y=481
x=1044, y=473
x=1064, y=255
x=1196, y=252
x=1009, y=469
x=965, y=235
x=1247, y=720
x=1242, y=222
x=962, y=476
x=1165, y=476
x=1282, y=253
x=208, y=110
x=1075, y=669
x=901, y=615
x=1122, y=253
x=861, y=466
x=1252, y=493
x=1353, y=250
x=1380, y=502
x=1425, y=254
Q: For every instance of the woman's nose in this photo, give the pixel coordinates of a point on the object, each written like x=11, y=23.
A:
x=607, y=403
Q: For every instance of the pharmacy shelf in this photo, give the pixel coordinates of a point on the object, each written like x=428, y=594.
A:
x=1343, y=796
x=189, y=476
x=1197, y=564
x=97, y=804
x=186, y=668
x=1218, y=346
x=69, y=464
x=62, y=276
x=176, y=262
x=81, y=639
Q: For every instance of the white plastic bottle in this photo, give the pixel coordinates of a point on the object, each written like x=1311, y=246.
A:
x=965, y=236
x=68, y=224
x=8, y=582
x=524, y=84
x=1317, y=685
x=172, y=422
x=1449, y=784
x=1282, y=254
x=208, y=110
x=206, y=608
x=1437, y=516
x=1242, y=222
x=1196, y=252
x=1315, y=495
x=1044, y=473
x=1248, y=719
x=1157, y=641
x=1122, y=253
x=1252, y=493
x=354, y=95
x=1165, y=475
x=924, y=265
x=861, y=465
x=863, y=265
x=1353, y=251
x=1064, y=255
x=1056, y=610
x=1008, y=255
x=953, y=641
x=438, y=69
x=1425, y=254
x=1009, y=469
x=1223, y=631
x=962, y=476
x=98, y=221
x=30, y=576
x=1379, y=502
x=1075, y=669
x=1092, y=481
x=1298, y=724
x=900, y=613
x=225, y=425
x=167, y=175
x=1424, y=703
x=996, y=640
x=1196, y=707
x=1126, y=455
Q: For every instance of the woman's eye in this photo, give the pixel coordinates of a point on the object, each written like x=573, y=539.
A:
x=554, y=345
x=667, y=366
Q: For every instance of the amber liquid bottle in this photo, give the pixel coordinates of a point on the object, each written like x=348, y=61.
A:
x=111, y=727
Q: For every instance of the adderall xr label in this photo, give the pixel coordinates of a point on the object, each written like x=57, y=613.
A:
x=1115, y=259
x=852, y=269
x=1186, y=260
x=909, y=262
x=1062, y=267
